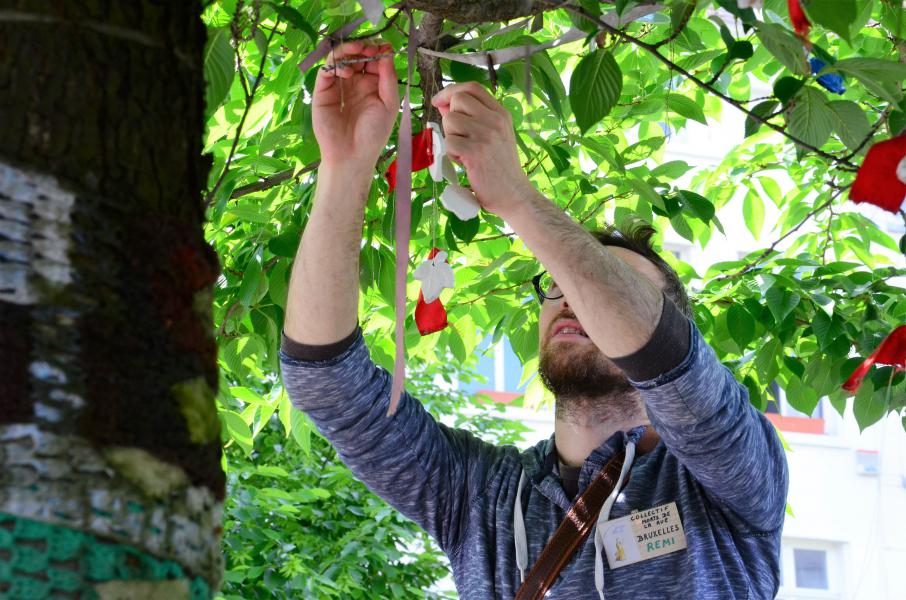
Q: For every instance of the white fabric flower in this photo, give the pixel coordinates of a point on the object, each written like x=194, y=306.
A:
x=435, y=275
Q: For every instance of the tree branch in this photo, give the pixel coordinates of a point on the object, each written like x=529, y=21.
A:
x=428, y=36
x=651, y=48
x=751, y=265
x=249, y=100
x=689, y=8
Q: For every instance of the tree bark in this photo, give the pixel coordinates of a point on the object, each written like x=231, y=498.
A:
x=478, y=11
x=108, y=425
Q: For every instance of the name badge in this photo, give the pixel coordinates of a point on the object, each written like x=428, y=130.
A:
x=643, y=535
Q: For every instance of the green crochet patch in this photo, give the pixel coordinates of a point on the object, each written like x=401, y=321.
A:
x=38, y=560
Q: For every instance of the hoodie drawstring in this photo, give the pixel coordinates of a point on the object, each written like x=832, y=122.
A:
x=519, y=531
x=605, y=515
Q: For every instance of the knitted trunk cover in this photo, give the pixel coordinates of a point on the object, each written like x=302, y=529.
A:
x=38, y=560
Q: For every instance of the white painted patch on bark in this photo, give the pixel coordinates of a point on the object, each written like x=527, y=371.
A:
x=34, y=234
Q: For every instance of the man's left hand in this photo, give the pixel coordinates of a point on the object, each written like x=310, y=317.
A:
x=479, y=135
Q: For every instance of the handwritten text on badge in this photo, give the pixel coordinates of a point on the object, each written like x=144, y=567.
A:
x=643, y=535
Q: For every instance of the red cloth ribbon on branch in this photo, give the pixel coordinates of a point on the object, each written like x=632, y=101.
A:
x=798, y=19
x=430, y=318
x=422, y=156
x=892, y=351
x=877, y=181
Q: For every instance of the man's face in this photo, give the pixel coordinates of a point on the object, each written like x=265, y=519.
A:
x=570, y=364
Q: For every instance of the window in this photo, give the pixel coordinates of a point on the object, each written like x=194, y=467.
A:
x=810, y=570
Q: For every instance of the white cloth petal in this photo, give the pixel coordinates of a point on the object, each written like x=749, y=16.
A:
x=901, y=170
x=438, y=150
x=460, y=201
x=435, y=275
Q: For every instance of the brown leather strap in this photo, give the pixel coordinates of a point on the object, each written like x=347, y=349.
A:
x=578, y=523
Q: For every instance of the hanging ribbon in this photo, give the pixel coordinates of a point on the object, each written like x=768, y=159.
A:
x=798, y=19
x=403, y=215
x=892, y=351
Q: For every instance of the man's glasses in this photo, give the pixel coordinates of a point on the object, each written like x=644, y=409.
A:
x=545, y=287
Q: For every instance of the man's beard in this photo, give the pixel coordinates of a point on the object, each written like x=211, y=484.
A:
x=587, y=386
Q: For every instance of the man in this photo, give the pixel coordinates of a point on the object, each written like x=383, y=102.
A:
x=616, y=351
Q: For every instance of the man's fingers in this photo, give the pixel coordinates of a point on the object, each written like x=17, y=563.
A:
x=476, y=90
x=456, y=123
x=467, y=104
x=457, y=147
x=387, y=86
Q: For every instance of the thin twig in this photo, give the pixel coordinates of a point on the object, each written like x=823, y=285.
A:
x=377, y=32
x=249, y=100
x=226, y=318
x=828, y=236
x=690, y=8
x=497, y=291
x=272, y=181
x=751, y=265
x=352, y=61
x=871, y=134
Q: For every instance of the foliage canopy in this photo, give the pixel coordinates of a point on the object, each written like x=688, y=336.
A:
x=801, y=312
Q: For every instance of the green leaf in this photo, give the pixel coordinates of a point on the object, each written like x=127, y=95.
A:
x=766, y=360
x=785, y=47
x=741, y=50
x=251, y=279
x=295, y=18
x=681, y=227
x=787, y=87
x=464, y=230
x=287, y=242
x=835, y=15
x=869, y=405
x=219, y=67
x=646, y=192
x=741, y=326
x=753, y=213
x=880, y=77
x=781, y=302
x=811, y=119
x=236, y=429
x=772, y=189
x=874, y=69
x=821, y=326
x=300, y=425
x=763, y=110
x=594, y=88
x=851, y=125
x=697, y=205
x=686, y=107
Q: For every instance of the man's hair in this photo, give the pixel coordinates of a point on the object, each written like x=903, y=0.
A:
x=636, y=236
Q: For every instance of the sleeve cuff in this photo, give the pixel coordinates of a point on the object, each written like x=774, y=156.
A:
x=318, y=352
x=667, y=348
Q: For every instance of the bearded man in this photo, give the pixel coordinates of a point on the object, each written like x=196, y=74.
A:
x=695, y=478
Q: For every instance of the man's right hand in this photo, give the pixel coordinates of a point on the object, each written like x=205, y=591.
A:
x=354, y=106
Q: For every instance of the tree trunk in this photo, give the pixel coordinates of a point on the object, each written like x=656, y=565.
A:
x=110, y=476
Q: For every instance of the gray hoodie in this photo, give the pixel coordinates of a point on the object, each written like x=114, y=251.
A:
x=719, y=460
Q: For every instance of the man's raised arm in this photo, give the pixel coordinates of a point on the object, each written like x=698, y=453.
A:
x=426, y=470
x=352, y=115
x=700, y=410
x=618, y=309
